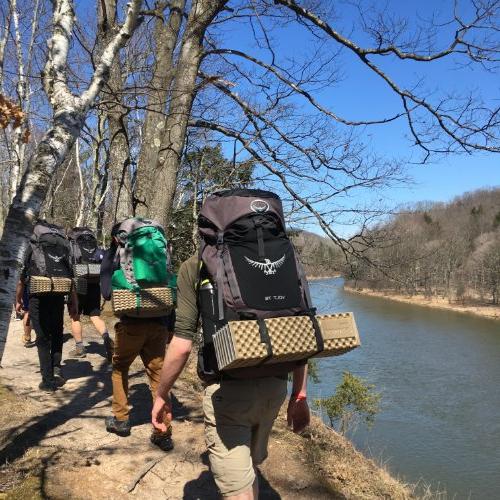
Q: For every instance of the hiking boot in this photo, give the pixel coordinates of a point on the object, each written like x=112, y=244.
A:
x=47, y=386
x=77, y=352
x=109, y=346
x=59, y=380
x=119, y=427
x=163, y=440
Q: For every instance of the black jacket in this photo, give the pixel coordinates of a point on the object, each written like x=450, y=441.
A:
x=108, y=266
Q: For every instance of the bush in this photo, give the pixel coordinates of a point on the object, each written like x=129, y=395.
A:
x=354, y=400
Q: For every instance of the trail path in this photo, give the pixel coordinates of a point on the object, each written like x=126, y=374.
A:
x=65, y=433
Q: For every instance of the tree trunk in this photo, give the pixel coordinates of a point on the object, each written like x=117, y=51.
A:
x=165, y=40
x=23, y=212
x=3, y=41
x=69, y=116
x=119, y=149
x=99, y=181
x=80, y=218
x=182, y=96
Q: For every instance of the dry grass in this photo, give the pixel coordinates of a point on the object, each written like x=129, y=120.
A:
x=344, y=470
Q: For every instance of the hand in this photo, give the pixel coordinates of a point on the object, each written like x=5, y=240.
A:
x=162, y=408
x=19, y=307
x=298, y=416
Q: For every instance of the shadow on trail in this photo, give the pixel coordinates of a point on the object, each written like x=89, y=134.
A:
x=204, y=486
x=141, y=401
x=76, y=368
x=93, y=347
x=95, y=390
x=83, y=399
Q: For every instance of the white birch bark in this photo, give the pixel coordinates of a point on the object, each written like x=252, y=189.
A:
x=81, y=205
x=3, y=42
x=19, y=146
x=70, y=112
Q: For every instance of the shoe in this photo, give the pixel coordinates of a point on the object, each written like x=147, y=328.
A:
x=29, y=343
x=47, y=386
x=119, y=427
x=59, y=380
x=77, y=352
x=109, y=345
x=162, y=440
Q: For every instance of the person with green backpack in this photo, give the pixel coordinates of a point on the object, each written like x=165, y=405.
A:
x=133, y=271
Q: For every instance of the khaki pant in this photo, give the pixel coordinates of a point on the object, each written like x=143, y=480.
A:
x=239, y=416
x=146, y=339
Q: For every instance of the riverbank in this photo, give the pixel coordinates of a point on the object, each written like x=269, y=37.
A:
x=482, y=310
x=316, y=278
x=55, y=446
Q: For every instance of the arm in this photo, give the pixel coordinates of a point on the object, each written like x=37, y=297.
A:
x=298, y=416
x=73, y=304
x=19, y=296
x=106, y=272
x=181, y=344
x=173, y=364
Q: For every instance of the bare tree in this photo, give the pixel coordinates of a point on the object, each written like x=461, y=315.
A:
x=181, y=99
x=119, y=148
x=165, y=38
x=319, y=146
x=69, y=115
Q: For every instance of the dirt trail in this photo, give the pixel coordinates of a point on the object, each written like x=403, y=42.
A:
x=61, y=440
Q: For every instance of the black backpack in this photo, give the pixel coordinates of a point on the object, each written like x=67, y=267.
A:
x=84, y=247
x=50, y=252
x=248, y=270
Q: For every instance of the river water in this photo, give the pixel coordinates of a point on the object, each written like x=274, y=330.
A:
x=439, y=375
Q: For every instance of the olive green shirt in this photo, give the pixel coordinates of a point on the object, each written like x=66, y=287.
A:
x=186, y=323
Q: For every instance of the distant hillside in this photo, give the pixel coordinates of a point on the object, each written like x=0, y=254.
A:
x=318, y=254
x=442, y=249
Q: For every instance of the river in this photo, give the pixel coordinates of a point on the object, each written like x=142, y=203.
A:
x=439, y=375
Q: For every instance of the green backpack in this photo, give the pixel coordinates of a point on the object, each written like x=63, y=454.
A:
x=144, y=258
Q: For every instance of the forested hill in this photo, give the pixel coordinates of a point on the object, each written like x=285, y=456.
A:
x=319, y=255
x=449, y=249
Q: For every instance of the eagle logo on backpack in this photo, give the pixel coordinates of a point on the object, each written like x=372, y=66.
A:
x=55, y=258
x=267, y=266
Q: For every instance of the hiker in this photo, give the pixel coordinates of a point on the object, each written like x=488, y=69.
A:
x=87, y=256
x=22, y=310
x=47, y=276
x=136, y=336
x=239, y=405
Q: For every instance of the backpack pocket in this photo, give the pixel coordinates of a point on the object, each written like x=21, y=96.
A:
x=267, y=283
x=56, y=257
x=149, y=256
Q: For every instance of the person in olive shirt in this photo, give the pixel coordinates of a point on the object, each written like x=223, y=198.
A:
x=144, y=337
x=238, y=413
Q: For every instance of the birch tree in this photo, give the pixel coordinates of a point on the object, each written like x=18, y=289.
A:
x=69, y=113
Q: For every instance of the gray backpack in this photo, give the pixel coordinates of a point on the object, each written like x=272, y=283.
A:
x=248, y=270
x=50, y=252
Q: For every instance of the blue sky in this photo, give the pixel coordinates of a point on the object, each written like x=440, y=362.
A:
x=363, y=95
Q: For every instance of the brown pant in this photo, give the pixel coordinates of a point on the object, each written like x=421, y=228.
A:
x=146, y=339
